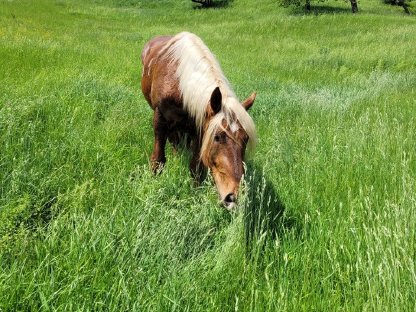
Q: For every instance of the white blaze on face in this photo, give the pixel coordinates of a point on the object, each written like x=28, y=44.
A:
x=234, y=127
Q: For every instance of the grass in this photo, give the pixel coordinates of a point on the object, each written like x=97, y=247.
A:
x=326, y=218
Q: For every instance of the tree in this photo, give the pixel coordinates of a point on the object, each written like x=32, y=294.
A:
x=354, y=5
x=403, y=3
x=206, y=3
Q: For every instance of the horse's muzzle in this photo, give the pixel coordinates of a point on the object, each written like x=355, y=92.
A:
x=230, y=201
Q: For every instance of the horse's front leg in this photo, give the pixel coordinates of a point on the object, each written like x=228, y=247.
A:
x=198, y=170
x=160, y=128
x=174, y=139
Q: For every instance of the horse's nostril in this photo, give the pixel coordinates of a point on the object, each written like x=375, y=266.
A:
x=230, y=198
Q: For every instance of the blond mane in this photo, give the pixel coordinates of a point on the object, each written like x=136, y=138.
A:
x=199, y=73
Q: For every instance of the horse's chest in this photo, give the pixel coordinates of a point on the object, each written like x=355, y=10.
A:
x=177, y=119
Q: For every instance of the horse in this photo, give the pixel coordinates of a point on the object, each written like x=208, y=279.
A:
x=190, y=97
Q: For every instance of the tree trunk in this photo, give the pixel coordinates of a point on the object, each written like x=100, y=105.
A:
x=354, y=6
x=203, y=2
x=308, y=5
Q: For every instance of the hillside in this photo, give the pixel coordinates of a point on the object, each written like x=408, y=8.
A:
x=326, y=215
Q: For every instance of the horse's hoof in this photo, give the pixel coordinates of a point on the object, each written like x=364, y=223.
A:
x=157, y=167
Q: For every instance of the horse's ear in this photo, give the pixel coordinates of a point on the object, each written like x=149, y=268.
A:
x=216, y=100
x=249, y=101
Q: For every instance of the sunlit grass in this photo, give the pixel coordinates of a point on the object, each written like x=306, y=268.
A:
x=326, y=213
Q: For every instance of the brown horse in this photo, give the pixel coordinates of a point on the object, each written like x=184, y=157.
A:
x=186, y=88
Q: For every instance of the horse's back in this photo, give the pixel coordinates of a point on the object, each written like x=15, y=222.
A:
x=152, y=48
x=149, y=57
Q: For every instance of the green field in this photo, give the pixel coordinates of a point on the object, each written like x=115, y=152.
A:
x=326, y=218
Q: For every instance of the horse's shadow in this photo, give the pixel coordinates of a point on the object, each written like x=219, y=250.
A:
x=264, y=212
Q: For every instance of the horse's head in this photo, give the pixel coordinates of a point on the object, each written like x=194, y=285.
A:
x=228, y=131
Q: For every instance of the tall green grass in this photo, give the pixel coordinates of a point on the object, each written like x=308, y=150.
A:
x=326, y=213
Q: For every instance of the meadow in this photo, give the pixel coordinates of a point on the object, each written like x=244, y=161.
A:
x=326, y=218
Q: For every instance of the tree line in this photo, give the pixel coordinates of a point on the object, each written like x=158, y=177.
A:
x=354, y=5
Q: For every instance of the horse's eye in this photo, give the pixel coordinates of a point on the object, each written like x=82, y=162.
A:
x=216, y=138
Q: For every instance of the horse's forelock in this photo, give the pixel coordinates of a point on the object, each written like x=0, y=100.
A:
x=233, y=113
x=240, y=114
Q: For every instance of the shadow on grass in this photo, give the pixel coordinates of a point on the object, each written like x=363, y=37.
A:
x=404, y=4
x=208, y=4
x=320, y=10
x=264, y=212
